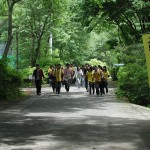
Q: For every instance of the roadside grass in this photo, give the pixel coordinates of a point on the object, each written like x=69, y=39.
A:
x=6, y=103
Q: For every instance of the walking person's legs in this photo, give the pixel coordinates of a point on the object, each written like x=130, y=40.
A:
x=69, y=83
x=65, y=82
x=106, y=86
x=59, y=87
x=66, y=85
x=97, y=87
x=101, y=85
x=53, y=85
x=38, y=87
x=79, y=82
x=86, y=83
x=90, y=87
x=93, y=88
x=82, y=81
x=97, y=91
x=56, y=83
x=50, y=82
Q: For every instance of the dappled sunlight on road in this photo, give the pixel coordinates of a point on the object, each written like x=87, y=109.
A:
x=74, y=121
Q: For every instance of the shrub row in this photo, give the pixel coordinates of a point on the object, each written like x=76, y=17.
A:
x=133, y=78
x=10, y=81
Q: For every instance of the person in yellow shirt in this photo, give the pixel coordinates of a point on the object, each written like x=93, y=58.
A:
x=58, y=78
x=50, y=70
x=51, y=78
x=90, y=79
x=97, y=75
x=105, y=75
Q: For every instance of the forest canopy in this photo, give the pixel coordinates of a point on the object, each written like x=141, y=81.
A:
x=80, y=29
x=76, y=31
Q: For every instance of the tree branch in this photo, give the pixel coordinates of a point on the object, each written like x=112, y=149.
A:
x=16, y=1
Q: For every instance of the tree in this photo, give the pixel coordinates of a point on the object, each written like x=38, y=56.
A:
x=40, y=17
x=69, y=36
x=10, y=5
x=131, y=17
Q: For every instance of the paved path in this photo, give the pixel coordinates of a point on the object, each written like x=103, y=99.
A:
x=74, y=121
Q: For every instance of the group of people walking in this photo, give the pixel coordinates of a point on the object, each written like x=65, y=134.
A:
x=93, y=78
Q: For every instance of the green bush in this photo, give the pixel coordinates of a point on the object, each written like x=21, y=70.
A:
x=133, y=78
x=26, y=72
x=10, y=81
x=95, y=62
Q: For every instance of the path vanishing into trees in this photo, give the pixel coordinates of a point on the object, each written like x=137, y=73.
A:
x=74, y=121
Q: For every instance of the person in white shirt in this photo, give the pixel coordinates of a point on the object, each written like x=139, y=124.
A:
x=78, y=76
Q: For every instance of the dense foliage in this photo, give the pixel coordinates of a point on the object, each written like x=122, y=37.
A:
x=132, y=77
x=132, y=20
x=10, y=82
x=93, y=31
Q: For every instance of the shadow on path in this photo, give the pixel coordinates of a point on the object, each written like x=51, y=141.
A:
x=74, y=121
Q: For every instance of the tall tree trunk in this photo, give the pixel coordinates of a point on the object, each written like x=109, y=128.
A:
x=32, y=50
x=10, y=4
x=17, y=52
x=9, y=36
x=39, y=38
x=37, y=49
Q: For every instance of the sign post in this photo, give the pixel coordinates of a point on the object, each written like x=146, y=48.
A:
x=146, y=42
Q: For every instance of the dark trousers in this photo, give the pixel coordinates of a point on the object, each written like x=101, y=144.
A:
x=38, y=86
x=53, y=84
x=86, y=83
x=67, y=84
x=58, y=87
x=106, y=86
x=97, y=83
x=91, y=87
x=101, y=86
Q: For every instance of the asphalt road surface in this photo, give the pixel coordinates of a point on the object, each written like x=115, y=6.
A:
x=74, y=121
